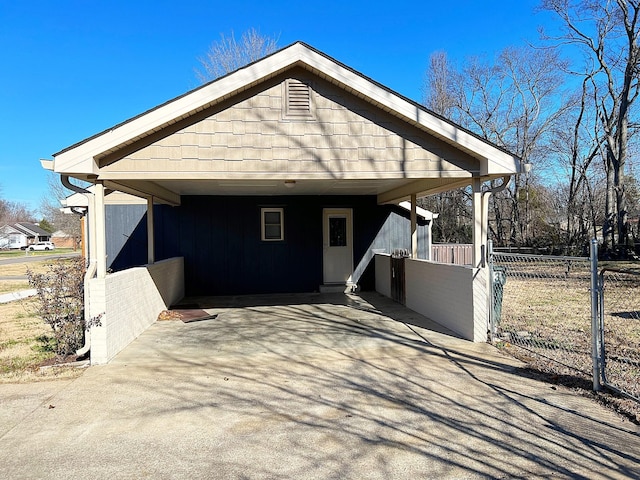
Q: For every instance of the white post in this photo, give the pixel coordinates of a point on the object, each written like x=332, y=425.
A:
x=595, y=316
x=429, y=239
x=478, y=221
x=151, y=254
x=414, y=227
x=101, y=235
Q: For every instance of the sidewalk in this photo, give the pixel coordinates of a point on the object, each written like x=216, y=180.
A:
x=13, y=296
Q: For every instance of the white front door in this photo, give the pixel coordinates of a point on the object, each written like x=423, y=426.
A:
x=337, y=231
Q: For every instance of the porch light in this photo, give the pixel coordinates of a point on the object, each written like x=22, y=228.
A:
x=289, y=183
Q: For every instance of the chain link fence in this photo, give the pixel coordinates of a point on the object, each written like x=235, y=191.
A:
x=562, y=317
x=542, y=311
x=620, y=330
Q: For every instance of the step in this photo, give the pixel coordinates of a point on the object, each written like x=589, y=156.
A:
x=338, y=288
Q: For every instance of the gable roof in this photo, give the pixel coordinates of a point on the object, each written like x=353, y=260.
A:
x=8, y=228
x=31, y=229
x=82, y=160
x=26, y=228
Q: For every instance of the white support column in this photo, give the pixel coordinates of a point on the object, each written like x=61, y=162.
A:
x=101, y=231
x=429, y=239
x=477, y=222
x=151, y=253
x=414, y=227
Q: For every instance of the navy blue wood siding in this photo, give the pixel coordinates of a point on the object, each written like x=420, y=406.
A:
x=127, y=236
x=220, y=240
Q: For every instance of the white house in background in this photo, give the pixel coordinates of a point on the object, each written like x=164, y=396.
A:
x=283, y=176
x=22, y=234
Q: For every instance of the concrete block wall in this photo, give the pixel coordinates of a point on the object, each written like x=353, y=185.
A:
x=129, y=302
x=383, y=274
x=454, y=296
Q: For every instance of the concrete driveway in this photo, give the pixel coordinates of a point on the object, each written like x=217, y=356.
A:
x=317, y=386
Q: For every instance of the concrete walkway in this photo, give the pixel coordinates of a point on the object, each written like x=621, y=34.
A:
x=19, y=295
x=308, y=387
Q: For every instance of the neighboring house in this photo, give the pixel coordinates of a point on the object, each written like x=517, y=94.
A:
x=62, y=239
x=21, y=235
x=283, y=176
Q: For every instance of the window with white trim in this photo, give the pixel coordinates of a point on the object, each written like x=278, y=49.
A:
x=272, y=224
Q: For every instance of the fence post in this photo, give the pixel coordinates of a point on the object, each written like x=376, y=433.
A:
x=492, y=327
x=595, y=316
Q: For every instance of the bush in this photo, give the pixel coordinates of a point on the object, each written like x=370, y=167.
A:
x=60, y=300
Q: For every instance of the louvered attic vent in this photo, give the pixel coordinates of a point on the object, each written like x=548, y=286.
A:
x=298, y=99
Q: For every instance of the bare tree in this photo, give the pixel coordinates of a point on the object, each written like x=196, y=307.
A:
x=606, y=32
x=455, y=222
x=575, y=146
x=440, y=84
x=51, y=205
x=513, y=102
x=13, y=212
x=228, y=54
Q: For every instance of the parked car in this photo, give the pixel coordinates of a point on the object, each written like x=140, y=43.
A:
x=42, y=246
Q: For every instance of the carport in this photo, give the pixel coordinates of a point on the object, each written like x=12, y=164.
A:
x=306, y=387
x=290, y=170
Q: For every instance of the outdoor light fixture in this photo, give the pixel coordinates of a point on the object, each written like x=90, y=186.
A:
x=289, y=183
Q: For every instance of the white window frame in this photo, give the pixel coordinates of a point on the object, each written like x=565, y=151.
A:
x=263, y=224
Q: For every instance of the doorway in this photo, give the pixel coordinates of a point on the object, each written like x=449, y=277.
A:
x=337, y=231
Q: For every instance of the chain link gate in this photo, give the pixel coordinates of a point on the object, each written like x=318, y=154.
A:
x=619, y=330
x=541, y=311
x=562, y=316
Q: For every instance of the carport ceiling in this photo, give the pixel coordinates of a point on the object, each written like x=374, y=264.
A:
x=243, y=187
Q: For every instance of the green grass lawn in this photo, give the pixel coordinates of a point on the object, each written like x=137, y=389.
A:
x=25, y=253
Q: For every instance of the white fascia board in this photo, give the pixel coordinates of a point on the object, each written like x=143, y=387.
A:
x=10, y=229
x=81, y=158
x=46, y=164
x=426, y=214
x=493, y=160
x=75, y=200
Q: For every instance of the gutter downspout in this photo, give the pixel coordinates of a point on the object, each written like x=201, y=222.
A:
x=92, y=267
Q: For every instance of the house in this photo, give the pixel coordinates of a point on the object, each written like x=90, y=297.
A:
x=21, y=235
x=62, y=239
x=283, y=176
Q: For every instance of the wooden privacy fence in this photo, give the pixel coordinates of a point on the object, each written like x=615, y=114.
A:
x=452, y=253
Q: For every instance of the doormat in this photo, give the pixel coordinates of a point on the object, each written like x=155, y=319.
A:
x=186, y=315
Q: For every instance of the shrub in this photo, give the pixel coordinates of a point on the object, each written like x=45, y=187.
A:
x=60, y=302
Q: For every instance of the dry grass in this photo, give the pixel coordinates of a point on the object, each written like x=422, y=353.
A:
x=546, y=321
x=8, y=286
x=20, y=269
x=25, y=340
x=556, y=314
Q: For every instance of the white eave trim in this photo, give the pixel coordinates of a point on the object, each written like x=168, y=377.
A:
x=438, y=127
x=81, y=158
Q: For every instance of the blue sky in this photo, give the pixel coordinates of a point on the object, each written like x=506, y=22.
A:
x=71, y=69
